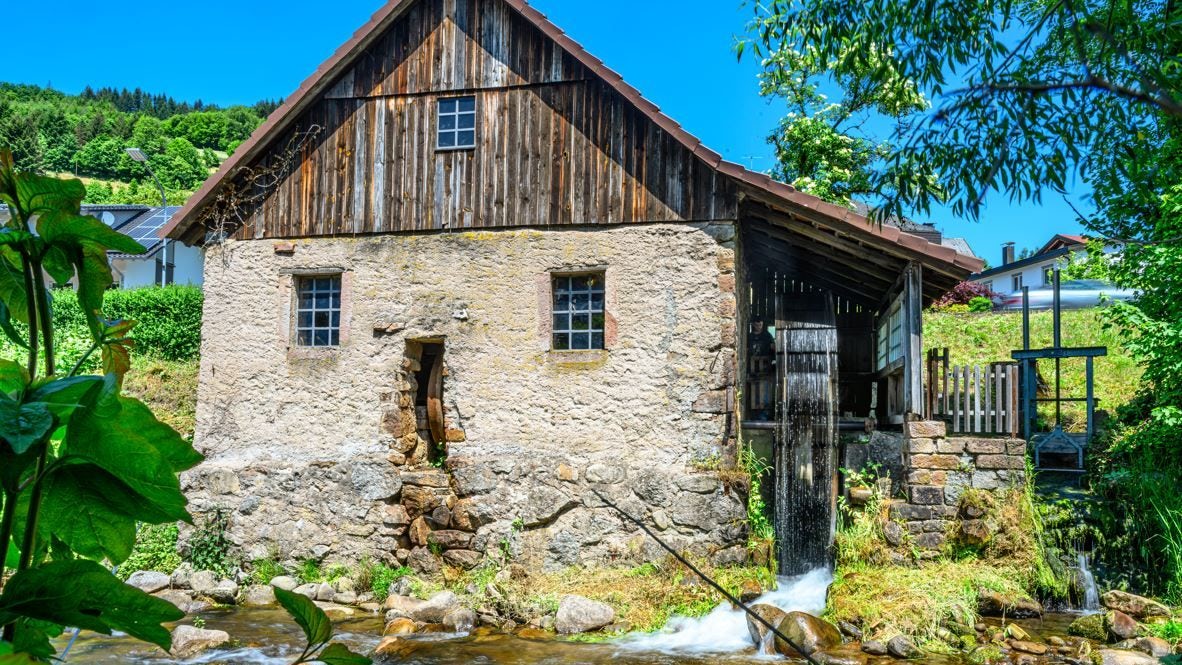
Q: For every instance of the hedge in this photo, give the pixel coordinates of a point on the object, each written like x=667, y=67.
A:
x=168, y=322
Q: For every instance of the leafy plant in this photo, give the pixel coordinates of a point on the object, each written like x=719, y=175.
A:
x=318, y=631
x=980, y=304
x=209, y=548
x=262, y=571
x=377, y=577
x=80, y=463
x=155, y=549
x=758, y=512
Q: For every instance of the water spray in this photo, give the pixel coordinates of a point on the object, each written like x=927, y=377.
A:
x=735, y=601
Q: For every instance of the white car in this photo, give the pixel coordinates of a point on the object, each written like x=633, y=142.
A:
x=1073, y=294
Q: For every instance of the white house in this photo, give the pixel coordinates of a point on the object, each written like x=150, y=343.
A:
x=163, y=263
x=1035, y=270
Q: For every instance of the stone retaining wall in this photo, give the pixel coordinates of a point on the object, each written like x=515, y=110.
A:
x=939, y=470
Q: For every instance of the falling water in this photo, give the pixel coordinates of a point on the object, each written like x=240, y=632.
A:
x=805, y=451
x=725, y=629
x=1088, y=581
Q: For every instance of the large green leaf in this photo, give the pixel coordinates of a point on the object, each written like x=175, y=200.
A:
x=32, y=638
x=9, y=330
x=64, y=395
x=17, y=659
x=317, y=628
x=92, y=512
x=41, y=195
x=58, y=265
x=85, y=595
x=339, y=654
x=13, y=376
x=122, y=436
x=64, y=228
x=12, y=285
x=23, y=425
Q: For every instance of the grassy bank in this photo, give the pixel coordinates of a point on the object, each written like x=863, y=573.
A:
x=979, y=339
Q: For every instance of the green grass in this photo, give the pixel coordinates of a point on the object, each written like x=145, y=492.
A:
x=262, y=571
x=155, y=549
x=980, y=339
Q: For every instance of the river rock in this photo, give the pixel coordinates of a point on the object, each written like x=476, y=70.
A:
x=183, y=600
x=149, y=581
x=1122, y=657
x=874, y=648
x=459, y=620
x=180, y=577
x=750, y=591
x=1121, y=626
x=284, y=582
x=324, y=592
x=202, y=581
x=435, y=608
x=1154, y=646
x=808, y=635
x=1016, y=632
x=1138, y=607
x=850, y=630
x=258, y=595
x=1090, y=627
x=770, y=614
x=336, y=612
x=307, y=590
x=344, y=598
x=850, y=654
x=993, y=604
x=577, y=614
x=399, y=626
x=902, y=647
x=188, y=641
x=1028, y=647
x=224, y=593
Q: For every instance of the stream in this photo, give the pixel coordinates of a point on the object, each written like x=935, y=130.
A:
x=270, y=637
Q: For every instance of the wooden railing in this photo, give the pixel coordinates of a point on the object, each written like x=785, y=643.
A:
x=972, y=399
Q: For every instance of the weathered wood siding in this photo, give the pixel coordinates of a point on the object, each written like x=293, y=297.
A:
x=555, y=145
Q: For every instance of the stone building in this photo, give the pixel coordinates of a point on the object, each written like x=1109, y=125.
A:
x=465, y=273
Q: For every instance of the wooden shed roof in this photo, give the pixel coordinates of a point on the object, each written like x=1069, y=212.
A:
x=840, y=221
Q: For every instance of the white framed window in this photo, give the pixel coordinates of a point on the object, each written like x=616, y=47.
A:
x=1018, y=282
x=318, y=311
x=890, y=336
x=1048, y=275
x=579, y=312
x=457, y=123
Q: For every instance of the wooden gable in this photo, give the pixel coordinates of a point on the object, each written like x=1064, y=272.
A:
x=556, y=144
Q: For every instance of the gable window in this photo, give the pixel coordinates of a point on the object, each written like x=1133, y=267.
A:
x=1017, y=282
x=457, y=123
x=318, y=311
x=579, y=321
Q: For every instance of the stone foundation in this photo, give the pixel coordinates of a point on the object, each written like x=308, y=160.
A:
x=939, y=470
x=323, y=453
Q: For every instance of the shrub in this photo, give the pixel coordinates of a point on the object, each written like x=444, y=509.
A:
x=980, y=304
x=377, y=578
x=155, y=549
x=209, y=548
x=964, y=294
x=262, y=571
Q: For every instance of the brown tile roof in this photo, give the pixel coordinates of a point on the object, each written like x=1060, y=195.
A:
x=837, y=217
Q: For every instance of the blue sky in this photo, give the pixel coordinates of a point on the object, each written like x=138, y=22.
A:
x=679, y=54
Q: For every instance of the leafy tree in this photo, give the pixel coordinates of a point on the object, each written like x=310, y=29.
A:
x=101, y=157
x=20, y=133
x=181, y=165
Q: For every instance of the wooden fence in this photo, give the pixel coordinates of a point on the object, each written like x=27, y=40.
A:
x=972, y=399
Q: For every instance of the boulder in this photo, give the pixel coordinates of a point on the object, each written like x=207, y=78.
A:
x=459, y=620
x=1016, y=632
x=807, y=634
x=1122, y=657
x=423, y=560
x=344, y=598
x=850, y=630
x=1090, y=627
x=224, y=593
x=449, y=539
x=750, y=591
x=892, y=531
x=1154, y=646
x=399, y=626
x=202, y=581
x=902, y=647
x=258, y=595
x=307, y=590
x=874, y=648
x=463, y=559
x=769, y=613
x=577, y=614
x=401, y=606
x=284, y=582
x=183, y=600
x=435, y=608
x=336, y=612
x=188, y=641
x=180, y=577
x=324, y=592
x=1121, y=626
x=993, y=604
x=1138, y=607
x=149, y=581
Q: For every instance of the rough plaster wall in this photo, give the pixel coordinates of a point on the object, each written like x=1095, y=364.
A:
x=301, y=433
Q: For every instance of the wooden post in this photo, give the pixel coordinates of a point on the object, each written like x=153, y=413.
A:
x=913, y=341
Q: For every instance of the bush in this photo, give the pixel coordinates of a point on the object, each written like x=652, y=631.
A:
x=209, y=548
x=262, y=571
x=168, y=322
x=155, y=549
x=980, y=304
x=377, y=578
x=964, y=294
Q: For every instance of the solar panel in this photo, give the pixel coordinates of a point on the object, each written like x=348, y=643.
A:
x=146, y=231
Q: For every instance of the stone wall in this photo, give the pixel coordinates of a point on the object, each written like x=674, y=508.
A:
x=316, y=453
x=939, y=470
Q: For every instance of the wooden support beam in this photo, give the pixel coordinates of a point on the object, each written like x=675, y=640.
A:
x=844, y=287
x=830, y=254
x=913, y=341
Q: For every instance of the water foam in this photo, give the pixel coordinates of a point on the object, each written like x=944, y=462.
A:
x=725, y=629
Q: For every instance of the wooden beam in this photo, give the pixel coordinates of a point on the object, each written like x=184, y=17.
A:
x=913, y=339
x=818, y=250
x=849, y=290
